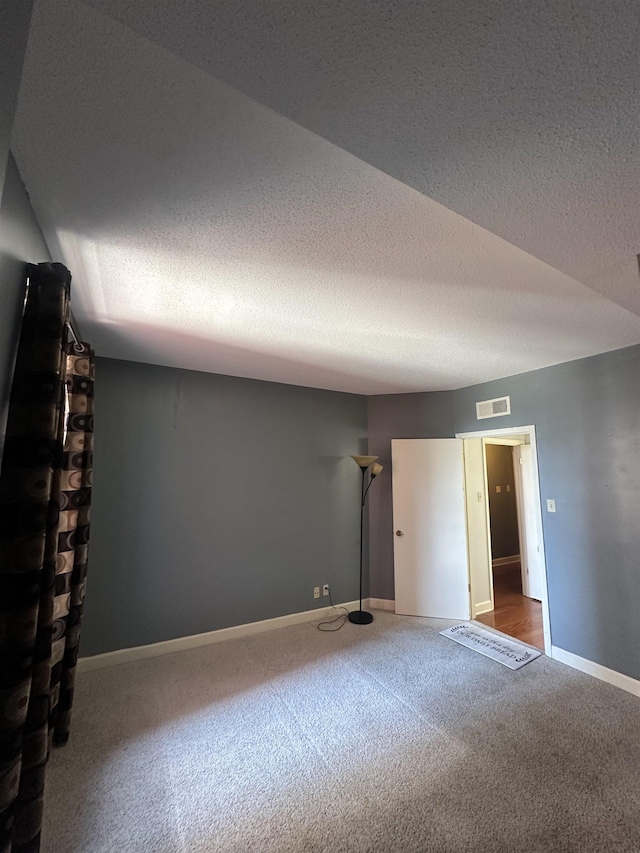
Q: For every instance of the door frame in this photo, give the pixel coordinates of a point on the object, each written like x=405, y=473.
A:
x=529, y=431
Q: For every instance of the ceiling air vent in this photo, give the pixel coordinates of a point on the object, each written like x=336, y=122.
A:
x=493, y=408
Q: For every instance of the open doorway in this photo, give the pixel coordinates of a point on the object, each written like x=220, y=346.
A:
x=516, y=611
x=508, y=589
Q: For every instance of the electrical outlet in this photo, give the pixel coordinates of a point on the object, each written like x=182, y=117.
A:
x=316, y=592
x=325, y=589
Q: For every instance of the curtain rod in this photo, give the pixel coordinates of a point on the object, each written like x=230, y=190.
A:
x=73, y=334
x=30, y=269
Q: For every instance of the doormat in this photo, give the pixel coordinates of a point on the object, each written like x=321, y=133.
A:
x=509, y=652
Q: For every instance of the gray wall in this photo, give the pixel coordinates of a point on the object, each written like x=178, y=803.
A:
x=15, y=16
x=502, y=504
x=21, y=241
x=587, y=418
x=18, y=238
x=397, y=416
x=217, y=501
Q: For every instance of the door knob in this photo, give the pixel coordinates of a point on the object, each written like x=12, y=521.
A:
x=399, y=533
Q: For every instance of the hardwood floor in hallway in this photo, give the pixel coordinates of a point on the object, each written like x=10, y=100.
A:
x=514, y=614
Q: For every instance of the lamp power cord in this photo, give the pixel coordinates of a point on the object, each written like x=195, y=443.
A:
x=341, y=618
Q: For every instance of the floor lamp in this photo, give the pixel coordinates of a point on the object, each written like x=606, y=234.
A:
x=361, y=617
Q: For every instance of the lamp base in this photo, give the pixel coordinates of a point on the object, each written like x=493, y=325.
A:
x=360, y=617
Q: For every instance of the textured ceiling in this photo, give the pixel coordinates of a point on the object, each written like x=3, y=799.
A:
x=521, y=116
x=205, y=230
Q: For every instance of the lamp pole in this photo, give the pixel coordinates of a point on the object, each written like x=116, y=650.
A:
x=362, y=617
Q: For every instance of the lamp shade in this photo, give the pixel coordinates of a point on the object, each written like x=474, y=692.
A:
x=375, y=469
x=364, y=461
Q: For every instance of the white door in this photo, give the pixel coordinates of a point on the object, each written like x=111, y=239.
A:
x=430, y=535
x=530, y=532
x=478, y=527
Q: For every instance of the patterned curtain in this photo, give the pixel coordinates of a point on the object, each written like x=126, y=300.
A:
x=73, y=535
x=44, y=518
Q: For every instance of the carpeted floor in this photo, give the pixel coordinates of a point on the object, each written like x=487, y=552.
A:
x=385, y=737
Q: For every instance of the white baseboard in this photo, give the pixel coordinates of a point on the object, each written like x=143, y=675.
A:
x=381, y=604
x=618, y=679
x=180, y=644
x=503, y=561
x=483, y=607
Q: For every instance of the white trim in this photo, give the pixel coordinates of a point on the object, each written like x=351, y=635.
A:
x=529, y=430
x=618, y=679
x=490, y=433
x=381, y=604
x=180, y=644
x=503, y=561
x=483, y=607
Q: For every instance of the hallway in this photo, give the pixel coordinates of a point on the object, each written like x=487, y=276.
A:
x=514, y=614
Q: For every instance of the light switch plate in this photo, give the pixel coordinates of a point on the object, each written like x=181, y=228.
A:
x=551, y=505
